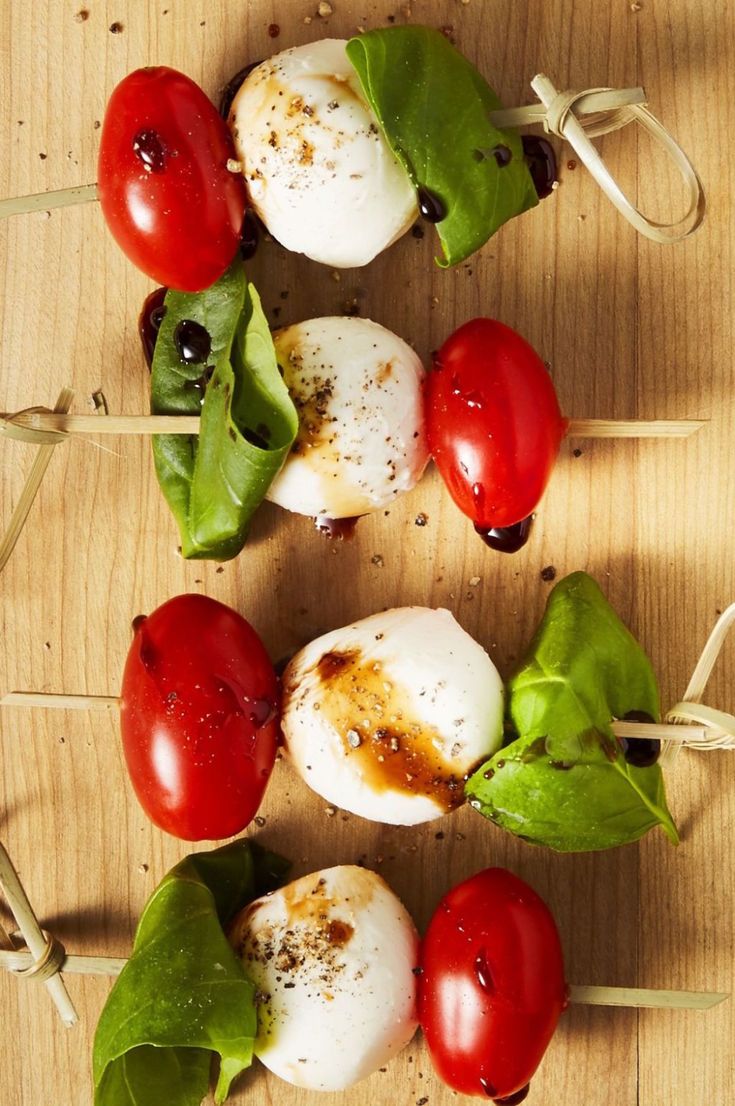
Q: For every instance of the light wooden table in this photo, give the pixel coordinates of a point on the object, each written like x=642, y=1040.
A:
x=629, y=328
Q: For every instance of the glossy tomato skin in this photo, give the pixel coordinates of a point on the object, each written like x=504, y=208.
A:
x=198, y=718
x=493, y=423
x=165, y=190
x=492, y=984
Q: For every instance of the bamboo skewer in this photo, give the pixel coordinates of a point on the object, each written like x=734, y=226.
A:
x=689, y=723
x=50, y=701
x=682, y=734
x=45, y=201
x=634, y=428
x=32, y=484
x=19, y=960
x=45, y=958
x=45, y=952
x=575, y=116
x=636, y=997
x=642, y=997
x=56, y=426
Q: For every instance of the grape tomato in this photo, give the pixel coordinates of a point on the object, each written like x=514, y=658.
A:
x=199, y=718
x=493, y=423
x=492, y=988
x=167, y=194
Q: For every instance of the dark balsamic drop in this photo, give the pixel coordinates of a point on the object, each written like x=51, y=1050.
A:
x=193, y=342
x=514, y=1099
x=507, y=539
x=231, y=89
x=541, y=162
x=249, y=235
x=431, y=206
x=149, y=148
x=487, y=1087
x=640, y=752
x=137, y=622
x=149, y=323
x=503, y=155
x=341, y=529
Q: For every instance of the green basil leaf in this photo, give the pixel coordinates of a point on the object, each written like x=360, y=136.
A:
x=183, y=994
x=148, y=1076
x=214, y=481
x=564, y=781
x=433, y=107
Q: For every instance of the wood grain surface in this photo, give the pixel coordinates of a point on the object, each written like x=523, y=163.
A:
x=629, y=328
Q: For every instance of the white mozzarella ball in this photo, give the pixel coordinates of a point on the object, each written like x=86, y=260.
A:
x=318, y=170
x=361, y=439
x=386, y=718
x=332, y=956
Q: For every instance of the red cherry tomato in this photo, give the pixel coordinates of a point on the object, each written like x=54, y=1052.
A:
x=198, y=718
x=492, y=985
x=493, y=423
x=166, y=192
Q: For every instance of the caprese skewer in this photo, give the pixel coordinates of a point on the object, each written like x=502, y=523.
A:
x=338, y=153
x=324, y=980
x=334, y=418
x=402, y=717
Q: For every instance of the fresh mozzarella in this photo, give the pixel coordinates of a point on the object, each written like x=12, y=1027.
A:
x=318, y=170
x=387, y=717
x=332, y=956
x=361, y=439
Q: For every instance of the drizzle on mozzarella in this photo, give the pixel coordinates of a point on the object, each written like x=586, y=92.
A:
x=387, y=717
x=318, y=170
x=332, y=957
x=361, y=439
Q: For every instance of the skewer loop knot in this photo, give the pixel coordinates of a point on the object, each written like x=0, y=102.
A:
x=603, y=119
x=610, y=109
x=15, y=426
x=49, y=963
x=720, y=724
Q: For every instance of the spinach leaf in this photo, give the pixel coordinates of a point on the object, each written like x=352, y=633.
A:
x=214, y=482
x=434, y=107
x=184, y=994
x=564, y=782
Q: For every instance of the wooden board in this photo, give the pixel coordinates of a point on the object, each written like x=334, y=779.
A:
x=629, y=328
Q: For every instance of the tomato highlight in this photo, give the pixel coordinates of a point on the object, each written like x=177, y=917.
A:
x=199, y=718
x=492, y=988
x=493, y=423
x=165, y=190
